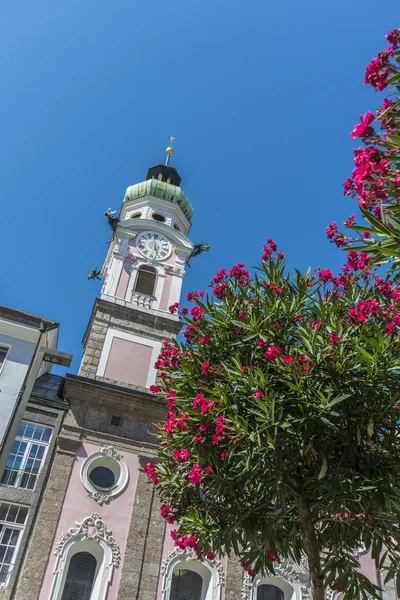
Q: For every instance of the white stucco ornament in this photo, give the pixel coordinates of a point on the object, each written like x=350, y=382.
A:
x=109, y=458
x=98, y=532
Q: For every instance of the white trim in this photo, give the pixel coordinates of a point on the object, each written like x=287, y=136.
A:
x=291, y=591
x=104, y=569
x=110, y=458
x=8, y=347
x=111, y=334
x=210, y=571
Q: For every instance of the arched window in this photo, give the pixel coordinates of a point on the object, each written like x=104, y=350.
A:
x=269, y=592
x=186, y=585
x=146, y=280
x=80, y=576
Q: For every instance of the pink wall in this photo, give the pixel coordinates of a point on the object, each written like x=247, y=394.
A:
x=124, y=278
x=164, y=302
x=128, y=361
x=77, y=506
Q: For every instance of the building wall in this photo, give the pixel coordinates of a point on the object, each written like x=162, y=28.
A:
x=12, y=376
x=50, y=416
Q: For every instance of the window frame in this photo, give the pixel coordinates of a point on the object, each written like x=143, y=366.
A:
x=150, y=269
x=20, y=527
x=22, y=470
x=8, y=347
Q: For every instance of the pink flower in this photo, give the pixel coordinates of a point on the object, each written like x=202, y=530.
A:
x=209, y=470
x=333, y=338
x=388, y=541
x=181, y=455
x=219, y=422
x=204, y=367
x=260, y=343
x=150, y=472
x=315, y=324
x=297, y=318
x=361, y=127
x=215, y=440
x=366, y=235
x=195, y=474
x=389, y=329
x=204, y=404
x=271, y=353
x=170, y=399
x=173, y=308
x=288, y=359
x=270, y=556
x=271, y=244
x=221, y=291
x=331, y=230
x=241, y=315
x=203, y=426
x=397, y=182
x=204, y=340
x=350, y=220
x=155, y=389
x=325, y=275
x=184, y=311
x=224, y=455
x=196, y=313
x=277, y=291
x=258, y=394
x=218, y=276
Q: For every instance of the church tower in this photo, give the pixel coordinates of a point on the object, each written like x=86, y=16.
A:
x=143, y=273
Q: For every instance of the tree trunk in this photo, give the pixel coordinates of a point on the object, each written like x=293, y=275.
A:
x=312, y=549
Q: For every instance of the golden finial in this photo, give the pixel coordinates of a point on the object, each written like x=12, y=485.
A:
x=170, y=149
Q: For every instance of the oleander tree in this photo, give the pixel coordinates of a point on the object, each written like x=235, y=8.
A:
x=375, y=180
x=281, y=436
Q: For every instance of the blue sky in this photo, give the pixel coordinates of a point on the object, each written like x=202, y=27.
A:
x=260, y=95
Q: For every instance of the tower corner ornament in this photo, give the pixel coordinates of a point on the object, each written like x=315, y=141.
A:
x=100, y=533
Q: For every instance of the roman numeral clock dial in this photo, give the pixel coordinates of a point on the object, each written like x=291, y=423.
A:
x=153, y=245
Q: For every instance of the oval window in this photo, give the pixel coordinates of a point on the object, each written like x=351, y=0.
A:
x=158, y=217
x=102, y=477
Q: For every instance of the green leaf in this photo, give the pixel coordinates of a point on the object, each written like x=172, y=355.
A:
x=324, y=468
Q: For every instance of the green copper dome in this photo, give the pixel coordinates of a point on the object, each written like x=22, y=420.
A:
x=160, y=189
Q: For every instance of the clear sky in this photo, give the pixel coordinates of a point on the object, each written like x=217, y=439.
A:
x=260, y=95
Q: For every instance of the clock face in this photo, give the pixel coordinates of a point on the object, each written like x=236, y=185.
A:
x=153, y=245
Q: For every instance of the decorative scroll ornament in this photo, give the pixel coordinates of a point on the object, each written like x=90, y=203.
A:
x=287, y=571
x=111, y=452
x=100, y=497
x=98, y=532
x=188, y=554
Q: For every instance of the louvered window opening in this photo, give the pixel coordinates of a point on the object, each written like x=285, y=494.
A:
x=186, y=585
x=269, y=592
x=79, y=581
x=146, y=281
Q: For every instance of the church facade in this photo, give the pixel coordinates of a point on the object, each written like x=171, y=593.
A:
x=95, y=530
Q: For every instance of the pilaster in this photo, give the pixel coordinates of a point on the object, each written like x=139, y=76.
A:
x=142, y=561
